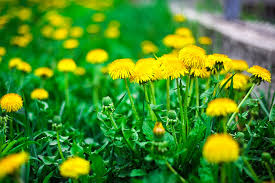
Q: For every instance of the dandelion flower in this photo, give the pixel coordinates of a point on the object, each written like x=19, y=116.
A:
x=2, y=51
x=221, y=107
x=14, y=62
x=98, y=17
x=11, y=163
x=177, y=41
x=47, y=31
x=74, y=167
x=97, y=56
x=40, y=94
x=24, y=29
x=183, y=31
x=260, y=73
x=220, y=148
x=148, y=47
x=205, y=40
x=43, y=72
x=218, y=62
x=112, y=32
x=66, y=65
x=80, y=71
x=70, y=43
x=193, y=56
x=172, y=67
x=24, y=67
x=60, y=34
x=239, y=65
x=93, y=28
x=76, y=32
x=239, y=81
x=201, y=72
x=158, y=129
x=121, y=68
x=11, y=102
x=179, y=18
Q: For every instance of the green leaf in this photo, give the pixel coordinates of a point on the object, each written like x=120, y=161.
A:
x=137, y=173
x=272, y=114
x=98, y=167
x=47, y=178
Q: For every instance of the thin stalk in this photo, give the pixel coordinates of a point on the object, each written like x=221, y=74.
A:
x=223, y=173
x=152, y=114
x=239, y=106
x=132, y=104
x=190, y=91
x=269, y=171
x=67, y=94
x=75, y=180
x=197, y=96
x=186, y=104
x=183, y=123
x=153, y=96
x=174, y=135
x=175, y=172
x=11, y=127
x=113, y=121
x=251, y=170
x=168, y=94
x=59, y=146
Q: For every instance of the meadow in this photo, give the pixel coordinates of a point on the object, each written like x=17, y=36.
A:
x=117, y=91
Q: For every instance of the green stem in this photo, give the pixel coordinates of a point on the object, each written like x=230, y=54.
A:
x=190, y=91
x=133, y=104
x=168, y=94
x=67, y=94
x=239, y=106
x=152, y=114
x=183, y=124
x=197, y=96
x=11, y=127
x=59, y=146
x=175, y=172
x=186, y=104
x=75, y=180
x=153, y=97
x=113, y=121
x=223, y=173
x=269, y=171
x=256, y=179
x=174, y=135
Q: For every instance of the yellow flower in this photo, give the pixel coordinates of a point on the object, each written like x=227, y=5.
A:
x=98, y=17
x=239, y=81
x=177, y=41
x=40, y=94
x=158, y=129
x=205, y=40
x=218, y=63
x=172, y=67
x=47, y=31
x=260, y=73
x=112, y=32
x=24, y=13
x=14, y=62
x=2, y=51
x=179, y=18
x=24, y=29
x=11, y=102
x=24, y=67
x=121, y=68
x=21, y=41
x=80, y=71
x=60, y=34
x=220, y=148
x=93, y=28
x=221, y=107
x=66, y=65
x=70, y=43
x=12, y=163
x=182, y=31
x=148, y=47
x=43, y=72
x=74, y=167
x=239, y=65
x=76, y=32
x=104, y=70
x=193, y=57
x=97, y=56
x=145, y=70
x=201, y=72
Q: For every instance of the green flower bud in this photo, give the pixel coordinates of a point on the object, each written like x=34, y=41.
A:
x=107, y=105
x=266, y=156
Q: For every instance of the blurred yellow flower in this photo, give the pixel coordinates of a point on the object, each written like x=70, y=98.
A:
x=97, y=56
x=179, y=18
x=74, y=167
x=177, y=41
x=2, y=51
x=70, y=43
x=43, y=72
x=205, y=40
x=80, y=71
x=239, y=65
x=24, y=67
x=76, y=32
x=104, y=70
x=24, y=29
x=148, y=47
x=239, y=81
x=11, y=102
x=121, y=68
x=24, y=13
x=21, y=41
x=47, y=31
x=11, y=163
x=220, y=148
x=98, y=17
x=193, y=57
x=66, y=65
x=112, y=32
x=40, y=94
x=93, y=29
x=260, y=73
x=221, y=107
x=183, y=31
x=14, y=62
x=200, y=72
x=60, y=34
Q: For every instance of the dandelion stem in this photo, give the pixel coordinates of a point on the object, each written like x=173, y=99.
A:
x=269, y=171
x=255, y=177
x=175, y=172
x=75, y=180
x=168, y=94
x=133, y=104
x=11, y=127
x=113, y=121
x=223, y=173
x=239, y=106
x=186, y=104
x=152, y=114
x=183, y=126
x=153, y=97
x=59, y=146
x=197, y=96
x=67, y=95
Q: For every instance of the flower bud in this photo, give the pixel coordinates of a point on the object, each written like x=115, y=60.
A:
x=107, y=104
x=158, y=130
x=266, y=156
x=172, y=116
